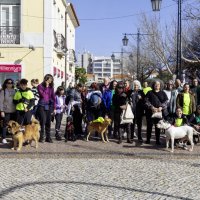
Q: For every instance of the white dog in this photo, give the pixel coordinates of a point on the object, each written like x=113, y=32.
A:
x=172, y=132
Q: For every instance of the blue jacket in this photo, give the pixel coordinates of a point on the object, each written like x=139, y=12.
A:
x=107, y=99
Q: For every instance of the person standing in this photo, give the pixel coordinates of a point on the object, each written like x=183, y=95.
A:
x=186, y=101
x=60, y=109
x=36, y=95
x=46, y=106
x=7, y=107
x=119, y=102
x=195, y=89
x=137, y=104
x=24, y=101
x=155, y=101
x=75, y=109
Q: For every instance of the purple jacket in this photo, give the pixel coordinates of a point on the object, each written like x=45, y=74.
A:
x=46, y=95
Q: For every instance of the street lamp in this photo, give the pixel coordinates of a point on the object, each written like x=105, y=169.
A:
x=125, y=43
x=157, y=4
x=122, y=62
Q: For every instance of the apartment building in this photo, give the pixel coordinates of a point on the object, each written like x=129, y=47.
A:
x=34, y=41
x=105, y=67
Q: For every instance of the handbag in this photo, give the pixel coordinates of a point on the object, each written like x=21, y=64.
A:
x=157, y=115
x=127, y=115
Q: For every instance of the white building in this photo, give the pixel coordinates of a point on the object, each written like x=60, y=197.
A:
x=105, y=67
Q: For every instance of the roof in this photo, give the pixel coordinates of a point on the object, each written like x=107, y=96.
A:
x=72, y=11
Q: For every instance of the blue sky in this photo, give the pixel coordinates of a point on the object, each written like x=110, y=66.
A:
x=102, y=37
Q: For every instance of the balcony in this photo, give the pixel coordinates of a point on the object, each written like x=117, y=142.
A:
x=9, y=34
x=60, y=44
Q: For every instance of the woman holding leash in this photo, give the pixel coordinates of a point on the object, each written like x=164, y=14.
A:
x=7, y=107
x=46, y=106
x=119, y=101
x=155, y=102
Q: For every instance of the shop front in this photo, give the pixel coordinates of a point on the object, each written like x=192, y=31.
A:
x=10, y=71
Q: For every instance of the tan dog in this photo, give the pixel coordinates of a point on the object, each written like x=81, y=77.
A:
x=100, y=128
x=30, y=133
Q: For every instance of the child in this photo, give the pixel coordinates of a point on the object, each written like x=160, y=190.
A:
x=60, y=109
x=180, y=120
x=24, y=101
x=34, y=84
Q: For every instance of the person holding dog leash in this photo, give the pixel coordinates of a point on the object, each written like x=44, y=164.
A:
x=155, y=102
x=24, y=101
x=46, y=106
x=7, y=107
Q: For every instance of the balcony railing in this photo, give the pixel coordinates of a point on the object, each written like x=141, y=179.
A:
x=9, y=35
x=60, y=43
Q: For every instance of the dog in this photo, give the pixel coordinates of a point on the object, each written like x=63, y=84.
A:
x=172, y=132
x=69, y=130
x=31, y=132
x=100, y=128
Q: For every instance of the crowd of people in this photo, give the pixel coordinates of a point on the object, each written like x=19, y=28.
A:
x=179, y=104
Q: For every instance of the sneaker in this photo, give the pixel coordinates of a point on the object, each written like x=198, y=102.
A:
x=4, y=141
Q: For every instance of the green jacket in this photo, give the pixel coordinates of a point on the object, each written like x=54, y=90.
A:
x=179, y=102
x=24, y=99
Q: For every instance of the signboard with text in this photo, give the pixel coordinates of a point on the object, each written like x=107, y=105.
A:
x=10, y=68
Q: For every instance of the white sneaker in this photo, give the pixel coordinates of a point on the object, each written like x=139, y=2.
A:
x=4, y=141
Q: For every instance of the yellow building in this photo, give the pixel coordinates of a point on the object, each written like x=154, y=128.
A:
x=33, y=39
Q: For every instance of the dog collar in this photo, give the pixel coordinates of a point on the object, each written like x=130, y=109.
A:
x=17, y=132
x=168, y=127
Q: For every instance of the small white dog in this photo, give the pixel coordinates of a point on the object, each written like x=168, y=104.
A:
x=172, y=132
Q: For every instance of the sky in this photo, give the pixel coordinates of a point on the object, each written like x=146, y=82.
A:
x=103, y=37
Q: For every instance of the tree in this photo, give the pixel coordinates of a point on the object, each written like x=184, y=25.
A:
x=80, y=75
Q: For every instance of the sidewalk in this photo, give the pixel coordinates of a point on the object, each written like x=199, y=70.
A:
x=97, y=149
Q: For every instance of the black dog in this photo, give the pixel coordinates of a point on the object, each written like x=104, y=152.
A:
x=69, y=130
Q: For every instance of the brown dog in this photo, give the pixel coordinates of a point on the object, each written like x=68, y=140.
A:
x=31, y=132
x=100, y=128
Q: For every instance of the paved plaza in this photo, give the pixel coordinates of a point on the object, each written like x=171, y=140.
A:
x=94, y=170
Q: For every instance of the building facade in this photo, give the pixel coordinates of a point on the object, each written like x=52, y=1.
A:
x=105, y=67
x=33, y=39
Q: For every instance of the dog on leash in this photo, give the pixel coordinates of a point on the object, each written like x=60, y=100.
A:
x=172, y=132
x=31, y=132
x=100, y=127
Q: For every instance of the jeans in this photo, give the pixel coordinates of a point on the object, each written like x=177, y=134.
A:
x=44, y=117
x=58, y=118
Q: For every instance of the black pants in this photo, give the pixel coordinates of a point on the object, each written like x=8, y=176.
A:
x=77, y=121
x=58, y=118
x=44, y=117
x=23, y=118
x=138, y=121
x=6, y=119
x=150, y=123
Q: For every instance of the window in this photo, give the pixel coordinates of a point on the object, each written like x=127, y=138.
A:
x=9, y=21
x=97, y=65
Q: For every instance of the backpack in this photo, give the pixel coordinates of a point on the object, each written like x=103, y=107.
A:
x=95, y=101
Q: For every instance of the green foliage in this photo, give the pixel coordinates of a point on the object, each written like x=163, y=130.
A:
x=80, y=75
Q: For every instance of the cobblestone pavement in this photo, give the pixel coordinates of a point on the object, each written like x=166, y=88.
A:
x=94, y=170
